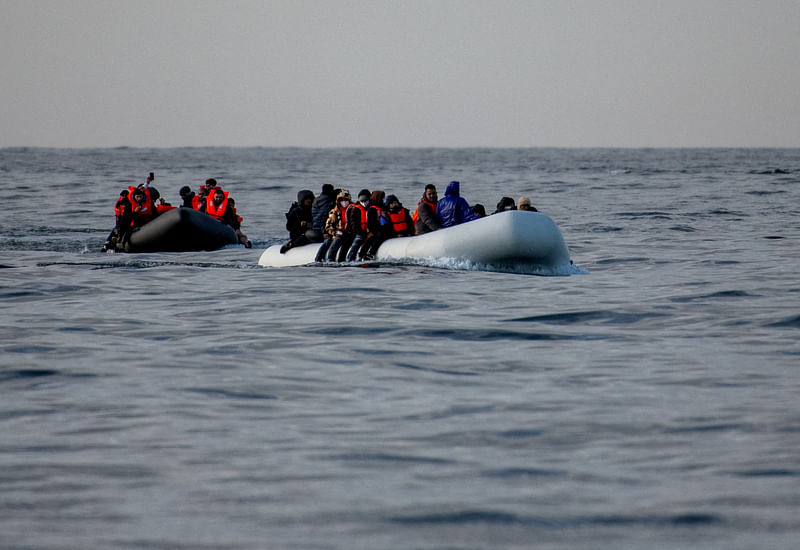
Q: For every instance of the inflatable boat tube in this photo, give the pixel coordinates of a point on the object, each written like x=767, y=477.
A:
x=513, y=237
x=181, y=230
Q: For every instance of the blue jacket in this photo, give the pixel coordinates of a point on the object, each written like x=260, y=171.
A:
x=452, y=209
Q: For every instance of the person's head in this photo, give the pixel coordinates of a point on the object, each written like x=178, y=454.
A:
x=202, y=191
x=363, y=197
x=219, y=195
x=138, y=195
x=524, y=203
x=453, y=189
x=430, y=193
x=393, y=204
x=344, y=199
x=185, y=191
x=506, y=203
x=305, y=198
x=327, y=189
x=479, y=210
x=211, y=182
x=376, y=197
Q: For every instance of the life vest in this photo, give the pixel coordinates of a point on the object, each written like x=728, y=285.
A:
x=363, y=218
x=400, y=221
x=161, y=208
x=118, y=205
x=214, y=210
x=415, y=217
x=147, y=211
x=197, y=202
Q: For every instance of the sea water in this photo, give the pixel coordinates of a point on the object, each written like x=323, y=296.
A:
x=646, y=399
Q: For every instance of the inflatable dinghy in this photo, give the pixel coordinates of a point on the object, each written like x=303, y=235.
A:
x=181, y=230
x=508, y=238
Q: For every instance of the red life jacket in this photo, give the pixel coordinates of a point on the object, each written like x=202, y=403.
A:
x=197, y=202
x=147, y=211
x=118, y=205
x=161, y=208
x=363, y=217
x=400, y=222
x=415, y=217
x=214, y=210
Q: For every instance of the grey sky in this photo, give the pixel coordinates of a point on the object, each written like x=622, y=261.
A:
x=630, y=73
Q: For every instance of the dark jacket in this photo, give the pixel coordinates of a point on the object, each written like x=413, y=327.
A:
x=319, y=212
x=298, y=214
x=425, y=219
x=354, y=225
x=452, y=209
x=374, y=219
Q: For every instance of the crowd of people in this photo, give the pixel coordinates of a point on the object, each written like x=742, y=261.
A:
x=140, y=204
x=350, y=230
x=347, y=229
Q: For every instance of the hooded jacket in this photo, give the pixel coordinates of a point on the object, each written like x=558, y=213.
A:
x=452, y=209
x=299, y=213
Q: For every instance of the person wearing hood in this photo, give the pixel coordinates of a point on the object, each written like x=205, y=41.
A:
x=334, y=228
x=320, y=209
x=424, y=217
x=356, y=225
x=453, y=209
x=299, y=220
x=506, y=203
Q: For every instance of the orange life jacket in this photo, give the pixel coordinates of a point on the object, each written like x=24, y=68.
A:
x=118, y=205
x=147, y=211
x=415, y=217
x=161, y=208
x=363, y=217
x=400, y=221
x=214, y=210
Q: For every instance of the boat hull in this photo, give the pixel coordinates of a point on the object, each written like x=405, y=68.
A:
x=511, y=237
x=181, y=230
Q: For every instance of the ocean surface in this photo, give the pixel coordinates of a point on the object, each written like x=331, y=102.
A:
x=650, y=398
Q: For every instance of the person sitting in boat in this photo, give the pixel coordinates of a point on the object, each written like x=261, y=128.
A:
x=334, y=229
x=320, y=209
x=356, y=223
x=219, y=206
x=396, y=222
x=479, y=210
x=199, y=200
x=375, y=225
x=222, y=207
x=506, y=203
x=138, y=211
x=398, y=218
x=299, y=220
x=524, y=203
x=424, y=217
x=187, y=197
x=453, y=209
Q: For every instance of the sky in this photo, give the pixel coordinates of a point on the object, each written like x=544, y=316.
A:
x=403, y=73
